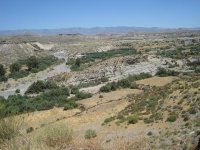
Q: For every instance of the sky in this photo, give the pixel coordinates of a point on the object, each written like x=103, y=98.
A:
x=53, y=14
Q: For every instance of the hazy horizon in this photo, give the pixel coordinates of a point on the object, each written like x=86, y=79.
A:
x=34, y=15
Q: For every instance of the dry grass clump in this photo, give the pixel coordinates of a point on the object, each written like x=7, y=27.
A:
x=59, y=135
x=9, y=128
x=87, y=144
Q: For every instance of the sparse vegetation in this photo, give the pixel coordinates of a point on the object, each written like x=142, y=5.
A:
x=79, y=64
x=164, y=72
x=132, y=119
x=41, y=86
x=171, y=118
x=55, y=136
x=90, y=133
x=124, y=83
x=9, y=128
x=2, y=73
x=33, y=65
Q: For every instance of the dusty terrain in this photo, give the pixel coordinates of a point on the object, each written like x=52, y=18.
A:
x=160, y=112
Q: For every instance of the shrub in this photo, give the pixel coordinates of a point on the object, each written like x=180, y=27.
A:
x=82, y=95
x=171, y=118
x=32, y=62
x=133, y=85
x=163, y=72
x=15, y=67
x=17, y=91
x=90, y=133
x=74, y=89
x=2, y=71
x=105, y=88
x=107, y=120
x=100, y=96
x=198, y=122
x=132, y=119
x=124, y=83
x=70, y=105
x=3, y=78
x=41, y=86
x=30, y=129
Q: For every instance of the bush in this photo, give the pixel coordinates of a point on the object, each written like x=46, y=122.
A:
x=3, y=78
x=107, y=120
x=2, y=71
x=40, y=86
x=17, y=91
x=171, y=118
x=132, y=119
x=30, y=129
x=133, y=85
x=20, y=74
x=106, y=88
x=82, y=95
x=163, y=72
x=124, y=83
x=74, y=89
x=15, y=67
x=70, y=105
x=90, y=134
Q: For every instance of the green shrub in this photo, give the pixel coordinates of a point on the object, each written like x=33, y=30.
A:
x=107, y=120
x=82, y=95
x=132, y=119
x=40, y=86
x=163, y=72
x=15, y=67
x=133, y=85
x=3, y=78
x=198, y=122
x=90, y=133
x=17, y=91
x=171, y=118
x=124, y=83
x=30, y=129
x=74, y=89
x=70, y=105
x=106, y=88
x=2, y=70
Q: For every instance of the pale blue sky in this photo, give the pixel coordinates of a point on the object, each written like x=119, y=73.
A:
x=48, y=14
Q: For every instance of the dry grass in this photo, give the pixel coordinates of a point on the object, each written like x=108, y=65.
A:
x=9, y=128
x=59, y=135
x=157, y=81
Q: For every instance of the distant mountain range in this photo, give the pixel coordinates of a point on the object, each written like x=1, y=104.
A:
x=91, y=31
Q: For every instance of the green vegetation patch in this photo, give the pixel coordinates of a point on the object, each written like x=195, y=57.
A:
x=40, y=86
x=33, y=65
x=84, y=62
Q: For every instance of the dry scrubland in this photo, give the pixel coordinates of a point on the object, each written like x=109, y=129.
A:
x=145, y=92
